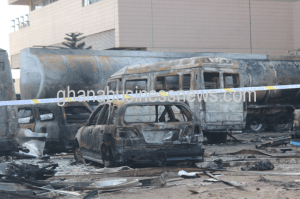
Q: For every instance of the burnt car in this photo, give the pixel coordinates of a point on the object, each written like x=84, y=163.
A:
x=60, y=122
x=140, y=133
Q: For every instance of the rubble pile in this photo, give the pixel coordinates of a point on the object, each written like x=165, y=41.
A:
x=30, y=171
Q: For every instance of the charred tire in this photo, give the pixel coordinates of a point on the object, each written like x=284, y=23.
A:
x=256, y=124
x=108, y=159
x=282, y=123
x=78, y=156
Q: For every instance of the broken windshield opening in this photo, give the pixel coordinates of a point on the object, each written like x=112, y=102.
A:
x=156, y=113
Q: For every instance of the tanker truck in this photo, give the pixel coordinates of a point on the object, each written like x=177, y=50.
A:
x=12, y=138
x=46, y=71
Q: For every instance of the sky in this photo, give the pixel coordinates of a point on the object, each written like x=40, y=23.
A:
x=7, y=13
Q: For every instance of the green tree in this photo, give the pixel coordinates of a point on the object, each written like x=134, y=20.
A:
x=72, y=40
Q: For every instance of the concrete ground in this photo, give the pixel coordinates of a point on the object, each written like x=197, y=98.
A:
x=253, y=185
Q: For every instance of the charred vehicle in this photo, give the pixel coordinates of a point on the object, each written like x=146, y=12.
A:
x=217, y=116
x=8, y=114
x=140, y=132
x=59, y=122
x=271, y=109
x=12, y=138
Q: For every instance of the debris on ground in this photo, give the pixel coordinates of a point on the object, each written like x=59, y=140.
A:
x=216, y=164
x=246, y=151
x=285, y=185
x=156, y=181
x=285, y=150
x=207, y=189
x=260, y=166
x=90, y=180
x=29, y=171
x=275, y=142
x=235, y=184
x=112, y=170
x=185, y=174
x=91, y=194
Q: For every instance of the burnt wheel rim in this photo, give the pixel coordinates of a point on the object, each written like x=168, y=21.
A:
x=282, y=122
x=255, y=124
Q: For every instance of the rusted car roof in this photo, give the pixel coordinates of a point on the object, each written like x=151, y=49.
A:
x=54, y=105
x=139, y=101
x=175, y=65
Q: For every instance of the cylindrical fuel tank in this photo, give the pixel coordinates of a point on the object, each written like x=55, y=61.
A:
x=45, y=71
x=8, y=114
x=272, y=72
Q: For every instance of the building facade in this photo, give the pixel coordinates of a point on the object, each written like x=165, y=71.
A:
x=231, y=26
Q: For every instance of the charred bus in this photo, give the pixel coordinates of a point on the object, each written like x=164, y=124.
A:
x=272, y=109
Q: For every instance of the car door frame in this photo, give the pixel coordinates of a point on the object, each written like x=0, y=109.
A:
x=96, y=136
x=84, y=135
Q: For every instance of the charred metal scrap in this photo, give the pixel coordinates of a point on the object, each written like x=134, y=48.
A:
x=29, y=171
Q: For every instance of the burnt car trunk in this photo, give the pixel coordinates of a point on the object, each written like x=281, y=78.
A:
x=159, y=143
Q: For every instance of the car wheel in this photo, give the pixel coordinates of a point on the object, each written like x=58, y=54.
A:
x=78, y=156
x=282, y=123
x=256, y=124
x=108, y=160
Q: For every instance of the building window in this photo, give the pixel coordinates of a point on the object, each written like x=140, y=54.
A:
x=36, y=4
x=88, y=2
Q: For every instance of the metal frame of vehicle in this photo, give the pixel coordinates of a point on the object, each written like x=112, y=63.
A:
x=105, y=137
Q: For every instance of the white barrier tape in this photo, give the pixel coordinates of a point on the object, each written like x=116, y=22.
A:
x=143, y=95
